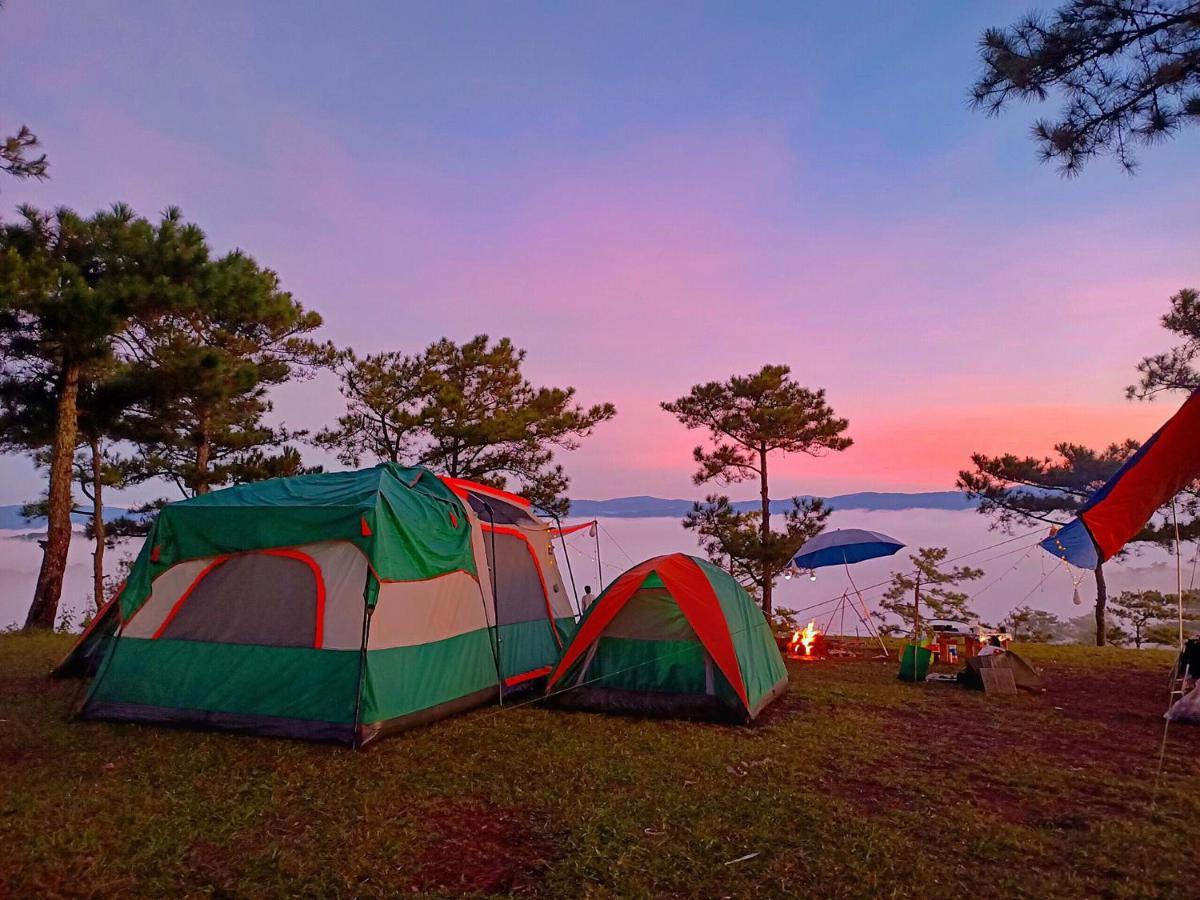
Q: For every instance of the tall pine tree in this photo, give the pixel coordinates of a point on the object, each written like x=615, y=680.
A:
x=68, y=287
x=749, y=419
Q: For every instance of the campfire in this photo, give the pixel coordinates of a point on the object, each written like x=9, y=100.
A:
x=807, y=643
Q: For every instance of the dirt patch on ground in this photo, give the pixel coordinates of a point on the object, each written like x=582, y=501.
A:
x=479, y=848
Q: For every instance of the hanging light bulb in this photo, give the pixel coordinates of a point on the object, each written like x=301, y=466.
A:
x=812, y=575
x=787, y=574
x=1076, y=599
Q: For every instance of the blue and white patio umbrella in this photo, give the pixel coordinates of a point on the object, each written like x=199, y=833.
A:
x=844, y=546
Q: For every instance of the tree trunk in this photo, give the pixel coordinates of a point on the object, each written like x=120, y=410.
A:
x=917, y=609
x=765, y=496
x=1101, y=600
x=203, y=456
x=97, y=522
x=44, y=609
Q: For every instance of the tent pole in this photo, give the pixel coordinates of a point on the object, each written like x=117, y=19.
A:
x=567, y=556
x=865, y=615
x=495, y=620
x=1178, y=571
x=599, y=569
x=356, y=737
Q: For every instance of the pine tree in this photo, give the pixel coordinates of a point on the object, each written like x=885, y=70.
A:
x=1128, y=72
x=465, y=410
x=201, y=375
x=1035, y=626
x=927, y=591
x=734, y=540
x=68, y=286
x=17, y=156
x=748, y=419
x=1140, y=610
x=1174, y=370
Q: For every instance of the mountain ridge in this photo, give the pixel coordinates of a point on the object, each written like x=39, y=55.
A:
x=642, y=506
x=645, y=507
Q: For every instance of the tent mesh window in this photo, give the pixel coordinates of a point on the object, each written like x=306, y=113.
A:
x=490, y=509
x=253, y=598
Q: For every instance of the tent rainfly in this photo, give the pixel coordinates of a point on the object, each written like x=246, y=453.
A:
x=673, y=636
x=335, y=606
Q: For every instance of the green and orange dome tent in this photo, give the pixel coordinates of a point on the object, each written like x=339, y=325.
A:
x=674, y=636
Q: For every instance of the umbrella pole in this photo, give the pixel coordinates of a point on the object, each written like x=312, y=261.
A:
x=865, y=615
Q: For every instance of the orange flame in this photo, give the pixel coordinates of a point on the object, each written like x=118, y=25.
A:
x=802, y=641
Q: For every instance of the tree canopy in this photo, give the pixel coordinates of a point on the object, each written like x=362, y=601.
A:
x=200, y=376
x=1174, y=370
x=1138, y=611
x=734, y=539
x=927, y=590
x=116, y=330
x=463, y=409
x=19, y=156
x=748, y=418
x=1127, y=71
x=1035, y=626
x=68, y=285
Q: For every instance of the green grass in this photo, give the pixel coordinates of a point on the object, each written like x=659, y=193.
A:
x=854, y=784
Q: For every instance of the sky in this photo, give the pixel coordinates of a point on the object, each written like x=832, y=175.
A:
x=643, y=196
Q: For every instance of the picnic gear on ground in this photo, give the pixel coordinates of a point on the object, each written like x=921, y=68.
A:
x=673, y=636
x=334, y=606
x=1024, y=676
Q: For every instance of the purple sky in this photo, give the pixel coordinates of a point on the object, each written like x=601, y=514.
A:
x=643, y=196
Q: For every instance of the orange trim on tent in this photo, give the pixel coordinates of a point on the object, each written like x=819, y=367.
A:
x=526, y=676
x=178, y=605
x=461, y=486
x=287, y=553
x=518, y=533
x=571, y=529
x=690, y=589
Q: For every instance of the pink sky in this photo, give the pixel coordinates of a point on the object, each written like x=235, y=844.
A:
x=640, y=220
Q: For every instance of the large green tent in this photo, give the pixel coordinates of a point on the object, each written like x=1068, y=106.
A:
x=674, y=635
x=331, y=606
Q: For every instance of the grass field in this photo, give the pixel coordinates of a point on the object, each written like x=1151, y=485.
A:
x=853, y=784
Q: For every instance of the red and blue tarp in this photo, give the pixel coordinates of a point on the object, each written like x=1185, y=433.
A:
x=1161, y=468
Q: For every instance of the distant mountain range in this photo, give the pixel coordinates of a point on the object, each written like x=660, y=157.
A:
x=630, y=507
x=653, y=507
